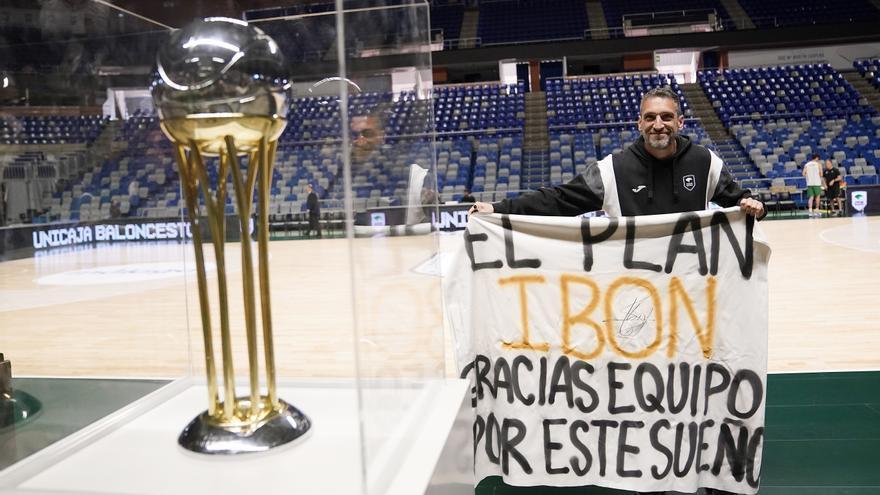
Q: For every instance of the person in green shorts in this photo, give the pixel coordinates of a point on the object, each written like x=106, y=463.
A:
x=813, y=172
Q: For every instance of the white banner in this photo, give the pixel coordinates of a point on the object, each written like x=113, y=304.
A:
x=629, y=353
x=840, y=57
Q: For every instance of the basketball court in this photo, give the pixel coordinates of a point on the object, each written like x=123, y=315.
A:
x=127, y=313
x=124, y=310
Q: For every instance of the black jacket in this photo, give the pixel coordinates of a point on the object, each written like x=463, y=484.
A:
x=633, y=182
x=313, y=205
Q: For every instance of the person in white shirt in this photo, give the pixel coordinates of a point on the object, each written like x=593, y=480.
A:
x=133, y=188
x=812, y=171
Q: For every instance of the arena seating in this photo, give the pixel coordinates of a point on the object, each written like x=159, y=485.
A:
x=309, y=153
x=591, y=117
x=51, y=130
x=142, y=178
x=615, y=139
x=479, y=107
x=570, y=154
x=782, y=13
x=509, y=21
x=467, y=117
x=454, y=168
x=779, y=149
x=498, y=167
x=593, y=100
x=781, y=115
x=870, y=70
x=479, y=141
x=768, y=93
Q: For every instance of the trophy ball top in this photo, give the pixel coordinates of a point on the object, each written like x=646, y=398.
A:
x=220, y=67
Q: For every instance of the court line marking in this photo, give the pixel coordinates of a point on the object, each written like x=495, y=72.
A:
x=825, y=235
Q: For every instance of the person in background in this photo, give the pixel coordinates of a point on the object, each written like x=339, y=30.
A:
x=429, y=199
x=831, y=177
x=468, y=197
x=133, y=188
x=2, y=204
x=314, y=207
x=812, y=171
x=115, y=210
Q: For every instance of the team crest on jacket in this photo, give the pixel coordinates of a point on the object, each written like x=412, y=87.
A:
x=690, y=182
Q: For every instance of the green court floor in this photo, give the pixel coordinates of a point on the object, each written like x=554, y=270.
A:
x=67, y=406
x=822, y=430
x=822, y=438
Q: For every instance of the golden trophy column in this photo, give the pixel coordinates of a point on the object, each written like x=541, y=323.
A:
x=221, y=93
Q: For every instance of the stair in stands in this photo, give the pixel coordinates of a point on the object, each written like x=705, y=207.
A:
x=736, y=160
x=865, y=89
x=535, y=170
x=738, y=14
x=469, y=23
x=596, y=19
x=702, y=109
x=536, y=138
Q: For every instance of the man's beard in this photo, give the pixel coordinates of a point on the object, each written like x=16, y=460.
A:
x=659, y=141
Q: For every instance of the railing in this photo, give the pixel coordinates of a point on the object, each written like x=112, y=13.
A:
x=471, y=84
x=668, y=17
x=771, y=116
x=612, y=75
x=447, y=3
x=670, y=22
x=722, y=24
x=742, y=23
x=538, y=40
x=413, y=136
x=455, y=43
x=603, y=125
x=606, y=32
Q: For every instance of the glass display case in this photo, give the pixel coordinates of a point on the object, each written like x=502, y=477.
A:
x=101, y=318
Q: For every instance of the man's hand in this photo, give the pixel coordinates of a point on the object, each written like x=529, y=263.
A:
x=751, y=206
x=480, y=207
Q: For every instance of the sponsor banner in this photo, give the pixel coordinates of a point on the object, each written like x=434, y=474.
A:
x=87, y=234
x=863, y=199
x=446, y=217
x=629, y=353
x=450, y=217
x=859, y=200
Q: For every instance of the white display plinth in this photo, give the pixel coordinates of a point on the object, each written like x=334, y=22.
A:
x=140, y=455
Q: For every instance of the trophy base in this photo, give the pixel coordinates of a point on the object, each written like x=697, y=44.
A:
x=17, y=408
x=272, y=428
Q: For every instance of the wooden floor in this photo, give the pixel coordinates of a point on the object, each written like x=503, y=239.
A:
x=123, y=310
x=824, y=293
